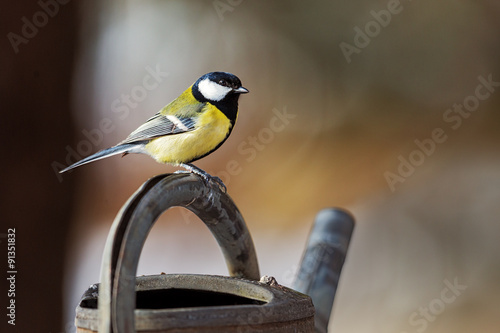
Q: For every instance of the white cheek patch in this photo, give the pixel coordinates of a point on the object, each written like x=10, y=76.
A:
x=212, y=91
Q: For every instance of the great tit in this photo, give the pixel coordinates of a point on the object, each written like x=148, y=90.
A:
x=190, y=127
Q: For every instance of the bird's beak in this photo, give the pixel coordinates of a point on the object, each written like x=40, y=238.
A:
x=240, y=90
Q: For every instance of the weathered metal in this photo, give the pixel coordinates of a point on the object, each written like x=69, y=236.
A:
x=322, y=262
x=131, y=227
x=189, y=303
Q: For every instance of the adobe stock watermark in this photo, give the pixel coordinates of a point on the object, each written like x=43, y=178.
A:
x=254, y=144
x=253, y=319
x=257, y=319
x=453, y=117
x=31, y=26
x=120, y=106
x=424, y=315
x=223, y=6
x=372, y=28
x=251, y=147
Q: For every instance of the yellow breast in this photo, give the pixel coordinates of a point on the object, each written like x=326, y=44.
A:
x=212, y=127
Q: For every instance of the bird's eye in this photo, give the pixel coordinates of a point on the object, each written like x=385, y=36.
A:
x=223, y=82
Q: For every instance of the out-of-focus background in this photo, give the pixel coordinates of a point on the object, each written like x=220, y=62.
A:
x=386, y=108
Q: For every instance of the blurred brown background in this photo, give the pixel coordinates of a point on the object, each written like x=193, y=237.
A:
x=339, y=92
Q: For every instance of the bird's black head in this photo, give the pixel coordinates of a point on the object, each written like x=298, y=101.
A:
x=220, y=89
x=216, y=86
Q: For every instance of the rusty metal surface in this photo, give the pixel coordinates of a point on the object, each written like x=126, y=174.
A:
x=133, y=223
x=322, y=262
x=279, y=309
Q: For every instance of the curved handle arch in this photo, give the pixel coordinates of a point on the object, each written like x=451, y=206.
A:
x=131, y=227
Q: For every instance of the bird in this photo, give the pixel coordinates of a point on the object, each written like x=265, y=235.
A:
x=190, y=127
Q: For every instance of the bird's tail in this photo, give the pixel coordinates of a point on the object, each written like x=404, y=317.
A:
x=120, y=149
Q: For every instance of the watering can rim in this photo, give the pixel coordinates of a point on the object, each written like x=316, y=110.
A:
x=280, y=303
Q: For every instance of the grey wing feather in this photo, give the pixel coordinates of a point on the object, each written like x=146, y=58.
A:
x=161, y=125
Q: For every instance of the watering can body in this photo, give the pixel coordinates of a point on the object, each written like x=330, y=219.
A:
x=124, y=303
x=190, y=303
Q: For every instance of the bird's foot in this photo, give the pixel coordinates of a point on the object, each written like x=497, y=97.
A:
x=204, y=175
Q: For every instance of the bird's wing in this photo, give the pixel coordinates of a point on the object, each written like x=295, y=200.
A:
x=177, y=117
x=161, y=125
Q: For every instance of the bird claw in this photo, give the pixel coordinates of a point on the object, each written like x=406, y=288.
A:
x=207, y=178
x=219, y=182
x=214, y=180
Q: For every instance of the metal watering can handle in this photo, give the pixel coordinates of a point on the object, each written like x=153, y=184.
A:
x=134, y=221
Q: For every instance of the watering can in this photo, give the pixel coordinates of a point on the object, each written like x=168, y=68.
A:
x=188, y=303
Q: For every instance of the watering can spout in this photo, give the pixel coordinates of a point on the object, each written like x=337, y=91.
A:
x=322, y=262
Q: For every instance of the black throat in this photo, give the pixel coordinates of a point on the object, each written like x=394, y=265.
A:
x=228, y=105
